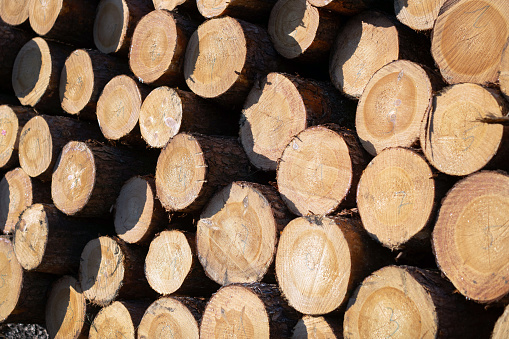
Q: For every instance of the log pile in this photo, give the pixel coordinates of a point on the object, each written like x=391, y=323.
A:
x=255, y=168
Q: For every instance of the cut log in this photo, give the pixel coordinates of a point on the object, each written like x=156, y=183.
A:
x=248, y=311
x=251, y=10
x=318, y=327
x=83, y=78
x=158, y=47
x=280, y=107
x=223, y=58
x=315, y=180
x=501, y=330
x=36, y=73
x=118, y=320
x=118, y=109
x=503, y=77
x=470, y=238
x=14, y=12
x=67, y=315
x=171, y=266
x=351, y=7
x=138, y=214
x=89, y=176
x=22, y=294
x=463, y=44
x=172, y=318
x=393, y=105
x=17, y=192
x=48, y=241
x=396, y=197
x=366, y=43
x=12, y=120
x=238, y=231
x=109, y=268
x=115, y=22
x=321, y=260
x=192, y=167
x=11, y=42
x=301, y=31
x=42, y=138
x=409, y=302
x=170, y=5
x=167, y=111
x=69, y=21
x=453, y=137
x=417, y=14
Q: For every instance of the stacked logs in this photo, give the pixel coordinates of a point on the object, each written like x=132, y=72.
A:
x=181, y=169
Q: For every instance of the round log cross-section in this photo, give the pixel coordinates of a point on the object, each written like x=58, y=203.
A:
x=12, y=120
x=14, y=12
x=418, y=15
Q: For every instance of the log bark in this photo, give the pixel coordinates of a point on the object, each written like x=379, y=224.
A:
x=351, y=7
x=318, y=327
x=158, y=47
x=11, y=41
x=238, y=231
x=118, y=110
x=501, y=329
x=172, y=267
x=418, y=15
x=48, y=241
x=315, y=180
x=503, y=78
x=14, y=12
x=110, y=268
x=115, y=22
x=248, y=310
x=469, y=238
x=118, y=320
x=83, y=78
x=17, y=192
x=67, y=314
x=193, y=166
x=250, y=10
x=168, y=111
x=280, y=107
x=454, y=137
x=22, y=294
x=166, y=317
x=463, y=44
x=138, y=214
x=36, y=73
x=394, y=104
x=89, y=176
x=301, y=31
x=411, y=302
x=225, y=56
x=12, y=120
x=70, y=21
x=42, y=138
x=320, y=260
x=396, y=199
x=366, y=43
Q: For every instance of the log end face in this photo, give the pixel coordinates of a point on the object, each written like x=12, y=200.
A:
x=292, y=27
x=503, y=77
x=73, y=178
x=415, y=15
x=212, y=8
x=168, y=317
x=168, y=262
x=113, y=321
x=470, y=238
x=9, y=126
x=31, y=236
x=76, y=82
x=43, y=15
x=15, y=196
x=12, y=277
x=14, y=12
x=313, y=265
x=110, y=25
x=215, y=57
x=160, y=116
x=65, y=309
x=32, y=71
x=153, y=46
x=168, y=5
x=35, y=147
x=319, y=327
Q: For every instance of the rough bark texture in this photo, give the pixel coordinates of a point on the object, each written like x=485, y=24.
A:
x=11, y=41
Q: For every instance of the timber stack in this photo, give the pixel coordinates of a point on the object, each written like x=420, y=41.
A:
x=255, y=168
